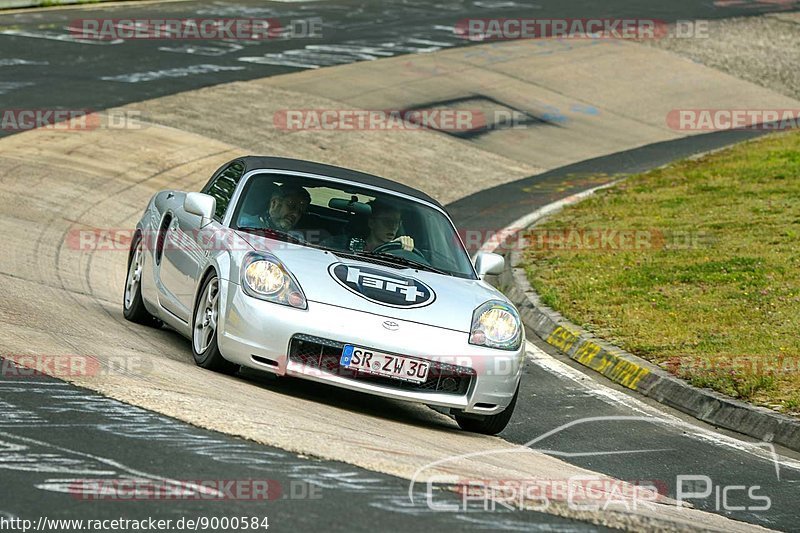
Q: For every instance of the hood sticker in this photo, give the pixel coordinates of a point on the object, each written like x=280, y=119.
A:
x=382, y=287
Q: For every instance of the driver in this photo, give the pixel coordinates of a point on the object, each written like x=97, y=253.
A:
x=384, y=223
x=382, y=227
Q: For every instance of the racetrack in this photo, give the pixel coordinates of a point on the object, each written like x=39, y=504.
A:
x=65, y=303
x=61, y=299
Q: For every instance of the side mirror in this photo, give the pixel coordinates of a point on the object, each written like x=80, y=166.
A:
x=489, y=263
x=202, y=205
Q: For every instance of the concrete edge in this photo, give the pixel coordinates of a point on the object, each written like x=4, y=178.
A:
x=624, y=368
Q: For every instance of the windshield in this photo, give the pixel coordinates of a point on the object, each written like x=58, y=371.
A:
x=352, y=220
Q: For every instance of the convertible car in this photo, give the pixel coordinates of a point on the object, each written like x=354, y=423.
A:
x=331, y=275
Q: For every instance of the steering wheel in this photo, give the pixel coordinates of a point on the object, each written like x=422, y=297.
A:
x=393, y=246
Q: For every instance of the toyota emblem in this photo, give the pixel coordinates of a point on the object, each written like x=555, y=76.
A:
x=391, y=325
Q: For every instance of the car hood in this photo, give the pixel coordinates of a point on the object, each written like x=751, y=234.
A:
x=449, y=306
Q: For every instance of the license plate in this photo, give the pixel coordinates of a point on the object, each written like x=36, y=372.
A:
x=384, y=364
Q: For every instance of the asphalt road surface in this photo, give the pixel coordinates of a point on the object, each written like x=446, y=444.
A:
x=43, y=65
x=53, y=434
x=67, y=454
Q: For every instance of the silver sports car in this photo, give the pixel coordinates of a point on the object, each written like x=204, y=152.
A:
x=331, y=275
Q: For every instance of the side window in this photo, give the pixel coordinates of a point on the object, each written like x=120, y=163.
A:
x=222, y=187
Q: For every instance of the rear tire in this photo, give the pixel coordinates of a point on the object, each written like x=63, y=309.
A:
x=204, y=330
x=132, y=304
x=488, y=424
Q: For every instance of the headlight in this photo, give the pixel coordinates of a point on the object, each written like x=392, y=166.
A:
x=496, y=324
x=265, y=277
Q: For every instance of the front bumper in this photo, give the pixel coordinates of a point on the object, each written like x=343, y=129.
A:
x=265, y=336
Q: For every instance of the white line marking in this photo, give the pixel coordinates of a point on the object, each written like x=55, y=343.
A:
x=617, y=398
x=12, y=62
x=109, y=462
x=64, y=37
x=180, y=72
x=8, y=86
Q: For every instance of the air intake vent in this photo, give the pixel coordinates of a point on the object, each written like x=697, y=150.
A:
x=324, y=354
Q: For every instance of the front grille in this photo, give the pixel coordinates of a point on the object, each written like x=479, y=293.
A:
x=324, y=355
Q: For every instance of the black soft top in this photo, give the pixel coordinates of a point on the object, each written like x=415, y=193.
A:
x=253, y=162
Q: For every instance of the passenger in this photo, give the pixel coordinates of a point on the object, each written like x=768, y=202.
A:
x=286, y=207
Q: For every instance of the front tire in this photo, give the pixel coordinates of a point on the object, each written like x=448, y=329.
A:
x=204, y=330
x=488, y=424
x=132, y=304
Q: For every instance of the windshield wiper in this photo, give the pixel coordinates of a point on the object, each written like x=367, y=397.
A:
x=404, y=261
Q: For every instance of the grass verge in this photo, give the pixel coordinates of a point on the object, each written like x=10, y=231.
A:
x=695, y=267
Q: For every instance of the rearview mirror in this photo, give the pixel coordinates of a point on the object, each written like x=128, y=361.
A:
x=489, y=263
x=202, y=205
x=350, y=206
